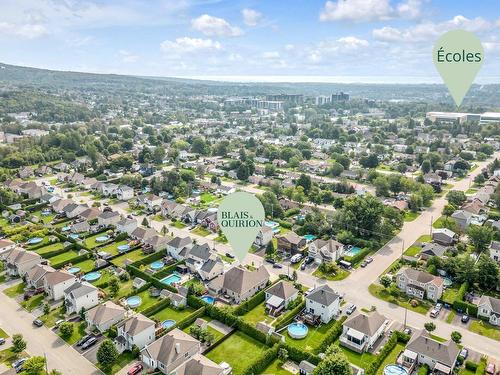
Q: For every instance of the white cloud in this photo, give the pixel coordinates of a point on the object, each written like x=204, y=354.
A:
x=409, y=9
x=289, y=47
x=214, y=26
x=27, y=31
x=127, y=56
x=251, y=17
x=351, y=42
x=189, y=45
x=271, y=55
x=427, y=31
x=356, y=10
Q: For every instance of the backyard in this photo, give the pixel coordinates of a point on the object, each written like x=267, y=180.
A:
x=64, y=257
x=91, y=243
x=49, y=248
x=86, y=265
x=275, y=369
x=257, y=314
x=173, y=314
x=313, y=338
x=391, y=358
x=134, y=256
x=360, y=360
x=113, y=247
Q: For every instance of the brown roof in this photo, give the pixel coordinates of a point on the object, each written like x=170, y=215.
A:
x=137, y=324
x=368, y=324
x=105, y=312
x=165, y=349
x=199, y=365
x=58, y=277
x=282, y=289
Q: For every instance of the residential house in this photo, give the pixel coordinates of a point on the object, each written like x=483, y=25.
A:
x=34, y=276
x=240, y=284
x=73, y=210
x=105, y=315
x=197, y=257
x=90, y=213
x=137, y=330
x=212, y=268
x=124, y=193
x=126, y=225
x=323, y=303
x=264, y=236
x=178, y=300
x=80, y=227
x=361, y=331
x=444, y=236
x=279, y=296
x=157, y=242
x=19, y=261
x=80, y=296
x=325, y=250
x=108, y=189
x=58, y=205
x=494, y=250
x=432, y=249
x=419, y=284
x=55, y=283
x=153, y=202
x=142, y=234
x=291, y=243
x=489, y=308
x=107, y=218
x=178, y=247
x=6, y=245
x=424, y=350
x=462, y=218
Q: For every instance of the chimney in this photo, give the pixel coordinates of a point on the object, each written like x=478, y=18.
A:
x=177, y=348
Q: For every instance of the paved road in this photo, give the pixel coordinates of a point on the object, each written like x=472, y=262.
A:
x=60, y=356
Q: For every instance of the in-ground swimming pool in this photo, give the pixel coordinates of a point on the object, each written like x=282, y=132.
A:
x=35, y=240
x=92, y=276
x=395, y=370
x=167, y=323
x=157, y=265
x=310, y=237
x=122, y=248
x=171, y=279
x=134, y=301
x=74, y=236
x=447, y=282
x=297, y=330
x=208, y=299
x=353, y=251
x=65, y=229
x=102, y=239
x=74, y=270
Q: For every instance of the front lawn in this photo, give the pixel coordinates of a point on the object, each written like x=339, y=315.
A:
x=123, y=360
x=450, y=317
x=33, y=302
x=15, y=290
x=133, y=256
x=178, y=224
x=275, y=369
x=3, y=334
x=340, y=275
x=172, y=313
x=239, y=350
x=410, y=215
x=402, y=300
x=7, y=356
x=78, y=333
x=485, y=329
x=200, y=231
x=439, y=223
x=50, y=319
x=313, y=339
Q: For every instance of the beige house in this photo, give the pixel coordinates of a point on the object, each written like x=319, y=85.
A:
x=34, y=277
x=55, y=283
x=20, y=261
x=279, y=296
x=137, y=330
x=361, y=331
x=105, y=315
x=419, y=284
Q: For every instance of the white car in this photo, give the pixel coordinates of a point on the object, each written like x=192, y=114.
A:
x=296, y=258
x=350, y=309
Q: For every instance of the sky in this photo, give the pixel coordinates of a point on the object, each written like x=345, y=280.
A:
x=266, y=40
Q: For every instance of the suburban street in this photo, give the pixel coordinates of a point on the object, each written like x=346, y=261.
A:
x=42, y=341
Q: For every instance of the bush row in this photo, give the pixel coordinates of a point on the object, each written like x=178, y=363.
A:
x=150, y=279
x=465, y=307
x=287, y=318
x=253, y=302
x=260, y=363
x=298, y=355
x=359, y=256
x=151, y=310
x=150, y=258
x=333, y=334
x=190, y=319
x=388, y=347
x=167, y=270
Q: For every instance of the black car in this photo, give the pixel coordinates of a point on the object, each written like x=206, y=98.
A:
x=309, y=260
x=2, y=341
x=465, y=318
x=229, y=255
x=270, y=260
x=37, y=322
x=83, y=340
x=277, y=265
x=90, y=342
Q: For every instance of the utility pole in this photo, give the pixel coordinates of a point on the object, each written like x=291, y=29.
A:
x=402, y=248
x=406, y=313
x=46, y=364
x=431, y=226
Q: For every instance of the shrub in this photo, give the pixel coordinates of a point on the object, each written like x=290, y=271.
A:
x=471, y=366
x=287, y=318
x=423, y=370
x=333, y=334
x=260, y=363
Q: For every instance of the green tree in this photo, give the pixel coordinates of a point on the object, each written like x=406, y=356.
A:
x=480, y=237
x=456, y=197
x=430, y=326
x=66, y=329
x=114, y=286
x=270, y=248
x=34, y=366
x=107, y=354
x=335, y=362
x=385, y=281
x=448, y=210
x=426, y=166
x=46, y=308
x=18, y=343
x=283, y=355
x=456, y=337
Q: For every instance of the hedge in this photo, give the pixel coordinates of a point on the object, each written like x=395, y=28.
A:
x=471, y=366
x=333, y=334
x=155, y=282
x=287, y=318
x=35, y=207
x=423, y=370
x=298, y=355
x=54, y=253
x=355, y=259
x=260, y=363
x=190, y=319
x=150, y=258
x=386, y=350
x=157, y=307
x=466, y=307
x=253, y=302
x=481, y=368
x=76, y=259
x=285, y=224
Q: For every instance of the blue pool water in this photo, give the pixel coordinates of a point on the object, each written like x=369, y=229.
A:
x=394, y=370
x=297, y=330
x=310, y=237
x=65, y=229
x=92, y=276
x=45, y=212
x=170, y=279
x=35, y=240
x=50, y=189
x=208, y=299
x=74, y=236
x=74, y=270
x=134, y=301
x=167, y=323
x=353, y=251
x=102, y=239
x=157, y=265
x=123, y=248
x=271, y=224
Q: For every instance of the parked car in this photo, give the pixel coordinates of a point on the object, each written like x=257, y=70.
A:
x=18, y=364
x=296, y=258
x=303, y=266
x=83, y=340
x=270, y=260
x=363, y=264
x=369, y=259
x=2, y=341
x=350, y=309
x=490, y=369
x=90, y=342
x=465, y=318
x=309, y=260
x=229, y=255
x=407, y=331
x=438, y=306
x=136, y=369
x=277, y=265
x=464, y=353
x=59, y=322
x=37, y=322
x=434, y=313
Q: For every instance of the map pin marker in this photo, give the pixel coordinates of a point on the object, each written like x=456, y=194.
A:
x=240, y=216
x=458, y=56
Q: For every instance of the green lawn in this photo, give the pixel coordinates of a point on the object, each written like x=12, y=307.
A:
x=15, y=290
x=147, y=300
x=64, y=257
x=2, y=278
x=439, y=223
x=49, y=248
x=239, y=350
x=465, y=371
x=33, y=302
x=360, y=360
x=217, y=334
x=412, y=251
x=257, y=314
x=3, y=334
x=275, y=369
x=7, y=356
x=485, y=329
x=340, y=275
x=450, y=294
x=85, y=266
x=4, y=222
x=227, y=259
x=78, y=333
x=133, y=256
x=410, y=215
x=200, y=231
x=178, y=224
x=207, y=198
x=52, y=317
x=126, y=289
x=173, y=313
x=123, y=360
x=44, y=219
x=450, y=317
x=113, y=248
x=91, y=243
x=380, y=292
x=391, y=358
x=313, y=338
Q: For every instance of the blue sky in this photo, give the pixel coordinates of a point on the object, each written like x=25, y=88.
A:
x=389, y=39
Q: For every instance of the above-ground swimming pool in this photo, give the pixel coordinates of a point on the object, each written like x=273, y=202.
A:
x=171, y=279
x=167, y=323
x=123, y=248
x=395, y=370
x=92, y=276
x=157, y=265
x=208, y=299
x=353, y=251
x=74, y=270
x=310, y=237
x=74, y=236
x=35, y=240
x=102, y=239
x=447, y=282
x=134, y=301
x=297, y=330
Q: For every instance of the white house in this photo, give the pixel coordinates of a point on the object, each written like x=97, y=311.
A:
x=495, y=251
x=55, y=283
x=34, y=277
x=279, y=296
x=178, y=247
x=137, y=330
x=323, y=303
x=212, y=268
x=80, y=295
x=264, y=236
x=361, y=331
x=325, y=251
x=126, y=225
x=124, y=193
x=105, y=315
x=419, y=284
x=489, y=308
